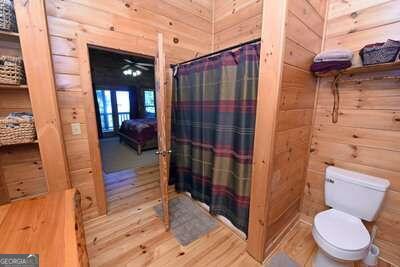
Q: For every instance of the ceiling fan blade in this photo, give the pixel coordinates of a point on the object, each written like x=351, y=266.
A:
x=141, y=67
x=145, y=64
x=127, y=66
x=128, y=61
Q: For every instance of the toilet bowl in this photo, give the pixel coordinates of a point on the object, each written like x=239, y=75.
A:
x=341, y=236
x=339, y=232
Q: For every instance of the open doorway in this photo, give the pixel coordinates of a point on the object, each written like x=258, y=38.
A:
x=125, y=106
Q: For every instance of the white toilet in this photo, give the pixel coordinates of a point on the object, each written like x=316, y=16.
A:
x=339, y=232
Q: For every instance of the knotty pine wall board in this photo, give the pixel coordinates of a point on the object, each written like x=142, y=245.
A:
x=366, y=136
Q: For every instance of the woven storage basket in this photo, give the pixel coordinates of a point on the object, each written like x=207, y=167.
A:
x=8, y=21
x=17, y=128
x=11, y=70
x=380, y=53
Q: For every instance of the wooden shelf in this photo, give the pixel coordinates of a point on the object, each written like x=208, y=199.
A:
x=11, y=86
x=357, y=70
x=34, y=142
x=9, y=36
x=363, y=69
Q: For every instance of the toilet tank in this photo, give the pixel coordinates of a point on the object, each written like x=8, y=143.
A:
x=355, y=193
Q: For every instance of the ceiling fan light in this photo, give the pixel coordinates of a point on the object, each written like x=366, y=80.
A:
x=127, y=72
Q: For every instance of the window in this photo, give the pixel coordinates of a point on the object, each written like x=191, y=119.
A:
x=123, y=106
x=105, y=110
x=149, y=105
x=114, y=108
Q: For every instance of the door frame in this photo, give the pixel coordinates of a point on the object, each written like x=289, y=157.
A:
x=121, y=43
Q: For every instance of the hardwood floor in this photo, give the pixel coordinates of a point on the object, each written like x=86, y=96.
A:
x=299, y=245
x=132, y=235
x=130, y=188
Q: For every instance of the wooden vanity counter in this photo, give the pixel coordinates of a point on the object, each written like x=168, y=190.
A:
x=50, y=226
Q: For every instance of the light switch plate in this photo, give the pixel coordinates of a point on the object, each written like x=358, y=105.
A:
x=76, y=128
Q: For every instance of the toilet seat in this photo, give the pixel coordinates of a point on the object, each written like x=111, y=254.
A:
x=341, y=235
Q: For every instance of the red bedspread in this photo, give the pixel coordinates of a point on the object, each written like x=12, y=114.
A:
x=141, y=130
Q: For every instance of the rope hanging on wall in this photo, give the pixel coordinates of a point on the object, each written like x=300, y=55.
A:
x=335, y=92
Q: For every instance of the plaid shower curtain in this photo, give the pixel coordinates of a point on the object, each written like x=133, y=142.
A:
x=213, y=121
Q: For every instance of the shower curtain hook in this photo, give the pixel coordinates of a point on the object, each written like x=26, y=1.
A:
x=175, y=72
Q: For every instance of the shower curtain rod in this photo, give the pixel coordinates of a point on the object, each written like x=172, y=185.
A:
x=216, y=52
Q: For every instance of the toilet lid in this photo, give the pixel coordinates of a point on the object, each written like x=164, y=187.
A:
x=342, y=230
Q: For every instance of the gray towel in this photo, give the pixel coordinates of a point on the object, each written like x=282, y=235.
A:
x=334, y=55
x=281, y=260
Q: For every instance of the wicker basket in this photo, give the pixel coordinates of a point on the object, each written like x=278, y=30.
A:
x=11, y=70
x=17, y=128
x=380, y=53
x=8, y=21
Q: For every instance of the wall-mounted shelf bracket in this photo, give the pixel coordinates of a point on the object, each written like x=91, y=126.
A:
x=391, y=71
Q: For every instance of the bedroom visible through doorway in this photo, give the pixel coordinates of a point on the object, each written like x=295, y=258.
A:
x=124, y=99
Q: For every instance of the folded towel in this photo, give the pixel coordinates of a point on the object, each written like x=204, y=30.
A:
x=334, y=55
x=20, y=116
x=330, y=65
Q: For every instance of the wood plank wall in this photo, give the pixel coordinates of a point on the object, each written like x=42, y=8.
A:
x=367, y=135
x=304, y=30
x=187, y=29
x=20, y=166
x=236, y=21
x=39, y=72
x=22, y=169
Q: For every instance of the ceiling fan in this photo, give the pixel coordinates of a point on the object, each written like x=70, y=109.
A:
x=138, y=65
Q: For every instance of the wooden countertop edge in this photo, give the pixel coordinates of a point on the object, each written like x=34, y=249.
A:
x=71, y=257
x=70, y=224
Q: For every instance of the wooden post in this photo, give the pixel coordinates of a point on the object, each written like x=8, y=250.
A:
x=4, y=195
x=269, y=83
x=35, y=46
x=163, y=156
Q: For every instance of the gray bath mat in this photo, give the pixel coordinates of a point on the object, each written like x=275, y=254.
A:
x=281, y=260
x=188, y=221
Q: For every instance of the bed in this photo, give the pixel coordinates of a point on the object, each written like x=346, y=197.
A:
x=141, y=134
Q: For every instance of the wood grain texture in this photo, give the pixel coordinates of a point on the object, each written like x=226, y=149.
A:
x=32, y=24
x=366, y=136
x=303, y=39
x=269, y=85
x=131, y=234
x=161, y=104
x=187, y=30
x=21, y=168
x=300, y=246
x=85, y=154
x=236, y=22
x=49, y=226
x=22, y=171
x=4, y=195
x=280, y=175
